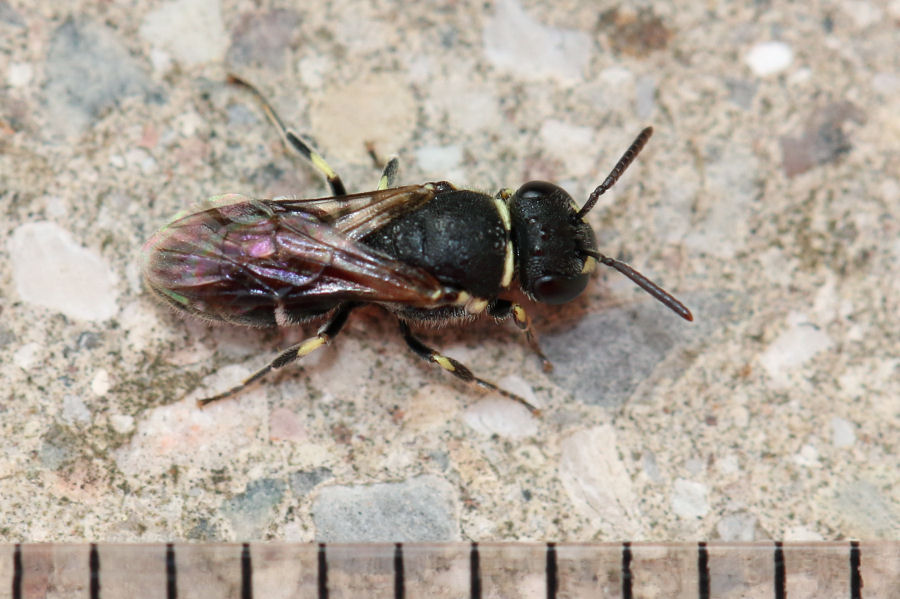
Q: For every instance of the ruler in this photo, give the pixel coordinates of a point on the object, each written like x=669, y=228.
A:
x=452, y=570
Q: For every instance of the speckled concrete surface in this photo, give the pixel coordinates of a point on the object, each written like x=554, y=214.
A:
x=768, y=200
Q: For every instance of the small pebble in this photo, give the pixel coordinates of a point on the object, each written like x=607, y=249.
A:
x=516, y=42
x=598, y=483
x=559, y=138
x=436, y=159
x=285, y=426
x=842, y=434
x=868, y=509
x=191, y=31
x=74, y=410
x=728, y=464
x=304, y=481
x=19, y=74
x=793, y=347
x=264, y=39
x=88, y=70
x=251, y=511
x=419, y=509
x=122, y=423
x=740, y=527
x=50, y=269
x=502, y=417
x=27, y=355
x=100, y=384
x=807, y=456
x=768, y=58
x=689, y=499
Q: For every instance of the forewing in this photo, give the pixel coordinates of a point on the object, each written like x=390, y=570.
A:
x=258, y=263
x=357, y=215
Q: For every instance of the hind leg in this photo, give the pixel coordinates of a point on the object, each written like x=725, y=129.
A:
x=292, y=140
x=326, y=333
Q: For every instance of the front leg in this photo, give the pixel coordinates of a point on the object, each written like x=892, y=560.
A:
x=502, y=309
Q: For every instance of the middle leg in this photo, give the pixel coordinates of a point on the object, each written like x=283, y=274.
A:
x=454, y=367
x=389, y=174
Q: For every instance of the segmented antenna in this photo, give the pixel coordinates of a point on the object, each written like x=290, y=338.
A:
x=627, y=158
x=646, y=284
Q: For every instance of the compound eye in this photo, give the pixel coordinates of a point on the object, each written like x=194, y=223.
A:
x=559, y=290
x=536, y=189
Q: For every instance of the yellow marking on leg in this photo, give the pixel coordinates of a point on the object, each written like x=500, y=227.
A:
x=443, y=362
x=519, y=315
x=476, y=305
x=320, y=164
x=389, y=175
x=311, y=345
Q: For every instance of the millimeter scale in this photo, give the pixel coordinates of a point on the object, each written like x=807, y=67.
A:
x=825, y=570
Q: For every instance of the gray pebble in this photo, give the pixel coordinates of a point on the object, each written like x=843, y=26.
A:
x=250, y=512
x=304, y=481
x=88, y=70
x=420, y=509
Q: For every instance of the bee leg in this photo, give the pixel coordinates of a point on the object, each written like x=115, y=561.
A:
x=293, y=140
x=455, y=368
x=389, y=174
x=503, y=309
x=326, y=333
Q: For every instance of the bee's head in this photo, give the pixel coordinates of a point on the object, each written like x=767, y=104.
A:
x=553, y=243
x=555, y=247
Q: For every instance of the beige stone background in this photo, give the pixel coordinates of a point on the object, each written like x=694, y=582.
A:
x=768, y=200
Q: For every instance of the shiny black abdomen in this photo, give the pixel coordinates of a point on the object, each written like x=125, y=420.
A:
x=458, y=237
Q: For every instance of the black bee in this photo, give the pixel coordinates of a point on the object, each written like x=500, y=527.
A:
x=427, y=253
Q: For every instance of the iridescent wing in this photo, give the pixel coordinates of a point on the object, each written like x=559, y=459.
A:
x=359, y=214
x=280, y=262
